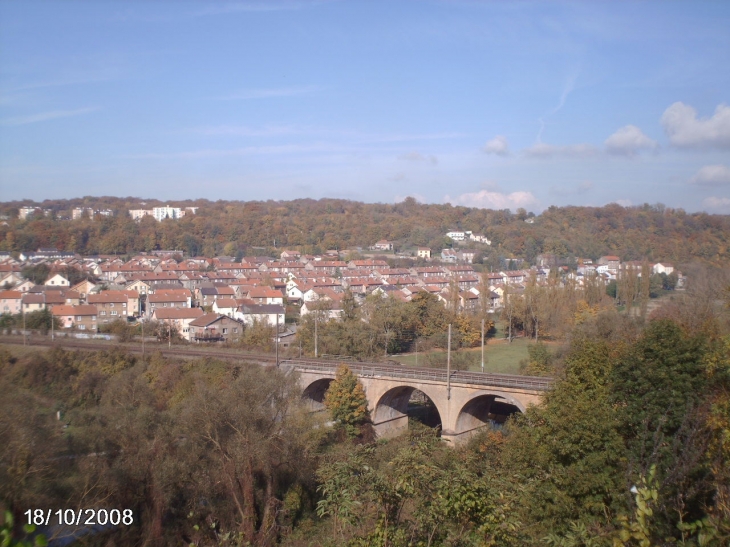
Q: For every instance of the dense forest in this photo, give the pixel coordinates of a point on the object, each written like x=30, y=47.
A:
x=654, y=232
x=630, y=448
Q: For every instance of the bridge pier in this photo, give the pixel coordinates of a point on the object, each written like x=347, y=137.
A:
x=391, y=427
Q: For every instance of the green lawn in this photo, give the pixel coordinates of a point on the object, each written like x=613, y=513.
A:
x=499, y=356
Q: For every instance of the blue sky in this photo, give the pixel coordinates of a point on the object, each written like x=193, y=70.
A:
x=489, y=104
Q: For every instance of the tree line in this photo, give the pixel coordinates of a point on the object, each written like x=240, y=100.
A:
x=235, y=228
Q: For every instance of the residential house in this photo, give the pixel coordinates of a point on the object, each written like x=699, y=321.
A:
x=10, y=279
x=514, y=277
x=81, y=317
x=84, y=288
x=480, y=239
x=263, y=313
x=367, y=264
x=383, y=245
x=10, y=302
x=469, y=301
x=423, y=252
x=168, y=299
x=427, y=272
x=466, y=256
x=25, y=286
x=266, y=295
x=134, y=304
x=448, y=255
x=457, y=235
x=205, y=296
x=225, y=306
x=57, y=280
x=213, y=327
x=110, y=305
x=142, y=287
x=613, y=262
x=324, y=308
x=180, y=317
x=663, y=268
x=33, y=302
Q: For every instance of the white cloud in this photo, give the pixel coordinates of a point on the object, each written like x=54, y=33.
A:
x=498, y=145
x=486, y=199
x=686, y=130
x=269, y=93
x=417, y=156
x=717, y=205
x=542, y=150
x=712, y=175
x=45, y=116
x=628, y=140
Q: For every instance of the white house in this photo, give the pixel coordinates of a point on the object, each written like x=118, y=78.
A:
x=383, y=245
x=457, y=235
x=424, y=252
x=57, y=281
x=663, y=268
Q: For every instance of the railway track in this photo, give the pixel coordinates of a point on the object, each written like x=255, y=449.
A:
x=137, y=348
x=358, y=367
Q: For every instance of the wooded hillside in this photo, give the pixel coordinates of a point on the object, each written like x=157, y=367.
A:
x=233, y=227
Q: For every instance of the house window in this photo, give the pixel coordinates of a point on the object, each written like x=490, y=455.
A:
x=82, y=327
x=235, y=330
x=114, y=313
x=124, y=304
x=225, y=331
x=102, y=312
x=111, y=305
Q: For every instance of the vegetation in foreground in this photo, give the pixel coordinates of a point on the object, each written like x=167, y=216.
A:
x=630, y=448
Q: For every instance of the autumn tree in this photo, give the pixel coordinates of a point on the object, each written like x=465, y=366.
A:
x=346, y=401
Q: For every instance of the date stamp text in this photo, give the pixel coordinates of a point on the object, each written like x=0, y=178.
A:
x=79, y=517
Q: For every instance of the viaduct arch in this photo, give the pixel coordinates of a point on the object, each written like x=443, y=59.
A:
x=467, y=403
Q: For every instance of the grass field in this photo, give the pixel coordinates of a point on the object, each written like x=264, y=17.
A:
x=499, y=356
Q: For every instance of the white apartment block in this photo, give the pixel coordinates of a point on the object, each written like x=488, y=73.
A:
x=161, y=213
x=25, y=212
x=137, y=214
x=79, y=212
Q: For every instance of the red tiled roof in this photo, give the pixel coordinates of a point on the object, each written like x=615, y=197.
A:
x=178, y=313
x=83, y=309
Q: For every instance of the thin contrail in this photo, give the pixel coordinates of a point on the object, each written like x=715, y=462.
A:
x=569, y=86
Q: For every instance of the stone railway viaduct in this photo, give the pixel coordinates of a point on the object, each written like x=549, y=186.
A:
x=465, y=402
